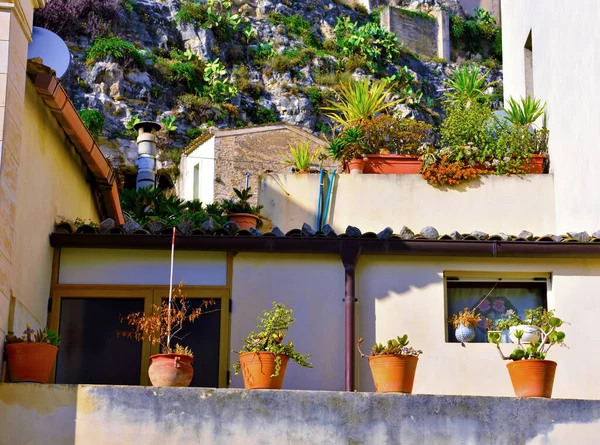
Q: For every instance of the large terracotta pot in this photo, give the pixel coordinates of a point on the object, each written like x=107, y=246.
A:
x=30, y=362
x=393, y=373
x=393, y=164
x=532, y=378
x=258, y=368
x=355, y=166
x=245, y=221
x=171, y=370
x=535, y=166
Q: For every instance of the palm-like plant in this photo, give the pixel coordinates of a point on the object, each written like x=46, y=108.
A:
x=148, y=202
x=348, y=145
x=524, y=112
x=467, y=83
x=299, y=157
x=359, y=101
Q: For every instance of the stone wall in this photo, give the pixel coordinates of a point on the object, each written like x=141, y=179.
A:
x=90, y=415
x=428, y=38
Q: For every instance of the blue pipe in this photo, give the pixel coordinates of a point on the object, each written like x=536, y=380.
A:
x=328, y=201
x=247, y=179
x=319, y=205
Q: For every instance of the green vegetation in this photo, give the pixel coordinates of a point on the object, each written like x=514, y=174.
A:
x=93, y=120
x=299, y=157
x=416, y=14
x=525, y=112
x=472, y=32
x=296, y=26
x=212, y=14
x=118, y=49
x=467, y=83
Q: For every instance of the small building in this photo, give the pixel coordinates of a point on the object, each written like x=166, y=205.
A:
x=218, y=161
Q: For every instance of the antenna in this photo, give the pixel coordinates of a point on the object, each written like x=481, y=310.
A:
x=51, y=49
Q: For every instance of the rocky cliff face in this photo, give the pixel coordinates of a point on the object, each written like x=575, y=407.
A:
x=281, y=59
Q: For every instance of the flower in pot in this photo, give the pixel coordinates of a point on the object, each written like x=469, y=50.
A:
x=31, y=357
x=393, y=365
x=173, y=366
x=464, y=324
x=264, y=356
x=530, y=373
x=240, y=211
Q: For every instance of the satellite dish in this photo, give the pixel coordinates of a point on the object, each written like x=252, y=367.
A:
x=51, y=49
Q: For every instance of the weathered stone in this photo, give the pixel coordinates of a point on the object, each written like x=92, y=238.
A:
x=156, y=226
x=456, y=236
x=328, y=230
x=556, y=238
x=525, y=235
x=385, y=233
x=185, y=226
x=255, y=232
x=131, y=226
x=596, y=234
x=503, y=236
x=106, y=225
x=209, y=225
x=277, y=231
x=582, y=237
x=231, y=227
x=354, y=232
x=307, y=230
x=430, y=232
x=406, y=233
x=479, y=235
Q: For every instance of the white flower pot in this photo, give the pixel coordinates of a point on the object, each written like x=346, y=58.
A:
x=530, y=333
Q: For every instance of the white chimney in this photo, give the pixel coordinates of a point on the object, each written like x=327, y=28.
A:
x=146, y=162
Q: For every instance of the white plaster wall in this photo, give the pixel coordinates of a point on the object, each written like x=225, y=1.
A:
x=313, y=286
x=494, y=204
x=565, y=57
x=204, y=155
x=124, y=266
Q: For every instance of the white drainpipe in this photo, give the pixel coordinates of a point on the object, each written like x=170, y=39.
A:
x=146, y=162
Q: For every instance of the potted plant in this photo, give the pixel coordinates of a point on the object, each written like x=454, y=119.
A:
x=348, y=148
x=31, y=357
x=464, y=324
x=240, y=211
x=393, y=365
x=173, y=366
x=264, y=356
x=530, y=373
x=529, y=325
x=299, y=157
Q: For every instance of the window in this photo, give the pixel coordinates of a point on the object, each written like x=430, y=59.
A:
x=196, y=192
x=492, y=298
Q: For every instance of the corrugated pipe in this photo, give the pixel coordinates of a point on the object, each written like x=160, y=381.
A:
x=146, y=161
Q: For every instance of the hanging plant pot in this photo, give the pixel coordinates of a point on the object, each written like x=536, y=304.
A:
x=30, y=362
x=245, y=221
x=464, y=334
x=531, y=333
x=355, y=166
x=393, y=373
x=171, y=370
x=532, y=378
x=258, y=369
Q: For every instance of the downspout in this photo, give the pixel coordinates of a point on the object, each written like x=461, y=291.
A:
x=349, y=254
x=146, y=162
x=320, y=202
x=328, y=200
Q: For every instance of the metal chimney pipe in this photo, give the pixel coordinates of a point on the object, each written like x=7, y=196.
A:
x=146, y=162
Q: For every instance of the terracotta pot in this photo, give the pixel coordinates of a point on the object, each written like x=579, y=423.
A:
x=535, y=166
x=244, y=220
x=393, y=373
x=532, y=378
x=171, y=370
x=31, y=362
x=355, y=166
x=258, y=367
x=393, y=164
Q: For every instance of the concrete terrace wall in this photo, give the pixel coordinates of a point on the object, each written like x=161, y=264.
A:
x=492, y=204
x=98, y=415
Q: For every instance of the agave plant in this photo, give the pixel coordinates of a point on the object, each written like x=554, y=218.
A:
x=348, y=145
x=467, y=83
x=359, y=101
x=524, y=112
x=299, y=157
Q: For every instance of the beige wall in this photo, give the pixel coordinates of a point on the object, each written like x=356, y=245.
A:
x=492, y=6
x=565, y=42
x=494, y=204
x=51, y=185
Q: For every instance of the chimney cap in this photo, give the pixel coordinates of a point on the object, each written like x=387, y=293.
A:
x=147, y=127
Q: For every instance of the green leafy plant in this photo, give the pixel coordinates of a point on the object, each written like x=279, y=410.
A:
x=296, y=26
x=348, y=145
x=358, y=101
x=241, y=203
x=524, y=112
x=387, y=134
x=219, y=87
x=132, y=122
x=395, y=346
x=168, y=123
x=115, y=48
x=45, y=335
x=299, y=157
x=272, y=328
x=93, y=120
x=467, y=83
x=264, y=50
x=466, y=317
x=212, y=14
x=548, y=325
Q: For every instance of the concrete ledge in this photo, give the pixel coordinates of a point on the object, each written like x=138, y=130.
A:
x=86, y=414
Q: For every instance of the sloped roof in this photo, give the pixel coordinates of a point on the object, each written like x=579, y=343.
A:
x=57, y=100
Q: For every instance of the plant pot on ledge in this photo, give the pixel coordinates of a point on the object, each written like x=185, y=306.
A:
x=171, y=370
x=259, y=369
x=245, y=221
x=355, y=166
x=30, y=362
x=393, y=164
